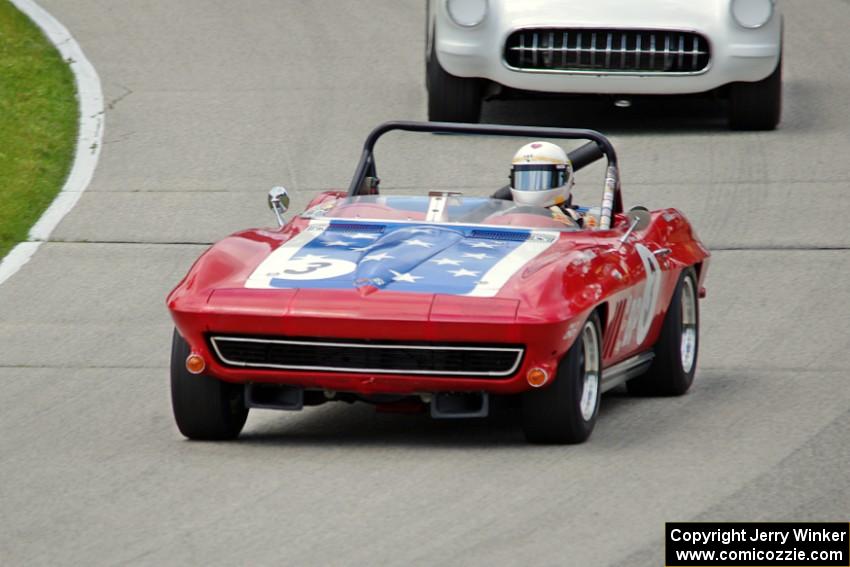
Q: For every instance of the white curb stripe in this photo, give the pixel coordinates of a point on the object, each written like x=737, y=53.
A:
x=89, y=139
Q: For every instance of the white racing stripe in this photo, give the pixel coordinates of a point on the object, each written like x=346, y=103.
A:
x=260, y=278
x=496, y=277
x=89, y=137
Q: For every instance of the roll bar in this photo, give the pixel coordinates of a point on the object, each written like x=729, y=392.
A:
x=598, y=147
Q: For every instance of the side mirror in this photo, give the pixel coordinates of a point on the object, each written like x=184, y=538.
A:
x=639, y=219
x=279, y=203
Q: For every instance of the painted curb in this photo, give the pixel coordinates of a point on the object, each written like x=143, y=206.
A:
x=89, y=138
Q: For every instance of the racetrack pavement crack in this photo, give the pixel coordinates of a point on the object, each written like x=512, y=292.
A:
x=764, y=248
x=134, y=242
x=771, y=248
x=85, y=367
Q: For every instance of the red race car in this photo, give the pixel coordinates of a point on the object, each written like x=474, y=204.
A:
x=442, y=302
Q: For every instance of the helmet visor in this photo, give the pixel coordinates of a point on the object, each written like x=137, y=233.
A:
x=538, y=177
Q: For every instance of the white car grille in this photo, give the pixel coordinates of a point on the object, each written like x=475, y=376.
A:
x=607, y=51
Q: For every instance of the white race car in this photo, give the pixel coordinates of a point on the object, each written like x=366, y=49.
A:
x=479, y=49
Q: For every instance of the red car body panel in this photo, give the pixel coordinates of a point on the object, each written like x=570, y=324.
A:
x=541, y=306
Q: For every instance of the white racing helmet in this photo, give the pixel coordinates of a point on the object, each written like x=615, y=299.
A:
x=541, y=175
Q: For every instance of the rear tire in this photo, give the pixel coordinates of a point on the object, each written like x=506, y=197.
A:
x=673, y=368
x=450, y=98
x=757, y=106
x=565, y=411
x=204, y=408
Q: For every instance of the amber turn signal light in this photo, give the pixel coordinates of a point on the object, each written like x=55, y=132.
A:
x=537, y=377
x=195, y=363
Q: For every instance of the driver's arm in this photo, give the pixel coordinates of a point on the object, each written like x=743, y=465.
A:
x=565, y=215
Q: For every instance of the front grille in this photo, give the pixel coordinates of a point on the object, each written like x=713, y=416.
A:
x=607, y=51
x=361, y=356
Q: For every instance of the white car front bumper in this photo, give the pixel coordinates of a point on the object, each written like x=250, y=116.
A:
x=737, y=54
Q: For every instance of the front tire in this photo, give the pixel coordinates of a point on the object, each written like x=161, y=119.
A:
x=673, y=368
x=204, y=408
x=450, y=98
x=758, y=105
x=565, y=411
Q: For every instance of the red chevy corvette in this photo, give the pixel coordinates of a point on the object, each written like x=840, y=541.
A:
x=442, y=302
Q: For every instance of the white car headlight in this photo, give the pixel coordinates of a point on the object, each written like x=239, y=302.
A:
x=752, y=13
x=467, y=13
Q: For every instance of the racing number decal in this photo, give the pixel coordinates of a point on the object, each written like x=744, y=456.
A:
x=650, y=291
x=313, y=268
x=642, y=309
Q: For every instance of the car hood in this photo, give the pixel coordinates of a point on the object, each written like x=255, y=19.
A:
x=674, y=14
x=397, y=257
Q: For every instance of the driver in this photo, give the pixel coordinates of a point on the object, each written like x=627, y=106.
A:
x=542, y=176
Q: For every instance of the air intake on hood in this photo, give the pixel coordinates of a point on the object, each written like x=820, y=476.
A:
x=356, y=227
x=499, y=235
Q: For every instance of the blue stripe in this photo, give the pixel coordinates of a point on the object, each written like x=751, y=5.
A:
x=404, y=257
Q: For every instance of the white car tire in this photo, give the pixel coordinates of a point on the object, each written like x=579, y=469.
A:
x=450, y=98
x=758, y=105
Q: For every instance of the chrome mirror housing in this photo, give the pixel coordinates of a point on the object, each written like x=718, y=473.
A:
x=279, y=203
x=639, y=219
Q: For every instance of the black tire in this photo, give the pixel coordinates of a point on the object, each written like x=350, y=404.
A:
x=668, y=374
x=553, y=414
x=204, y=408
x=758, y=105
x=429, y=35
x=450, y=98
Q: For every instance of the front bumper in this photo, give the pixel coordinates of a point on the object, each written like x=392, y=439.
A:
x=737, y=55
x=545, y=343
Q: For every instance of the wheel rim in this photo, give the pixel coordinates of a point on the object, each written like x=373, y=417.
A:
x=590, y=368
x=689, y=325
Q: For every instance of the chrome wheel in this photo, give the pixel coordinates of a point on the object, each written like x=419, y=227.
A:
x=689, y=325
x=590, y=367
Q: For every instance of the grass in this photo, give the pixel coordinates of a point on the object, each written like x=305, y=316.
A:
x=38, y=124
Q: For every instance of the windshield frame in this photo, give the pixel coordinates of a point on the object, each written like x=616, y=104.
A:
x=320, y=212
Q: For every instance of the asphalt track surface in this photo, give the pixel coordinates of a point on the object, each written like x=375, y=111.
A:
x=213, y=102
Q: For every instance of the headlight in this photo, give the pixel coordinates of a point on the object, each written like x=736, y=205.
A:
x=467, y=13
x=752, y=13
